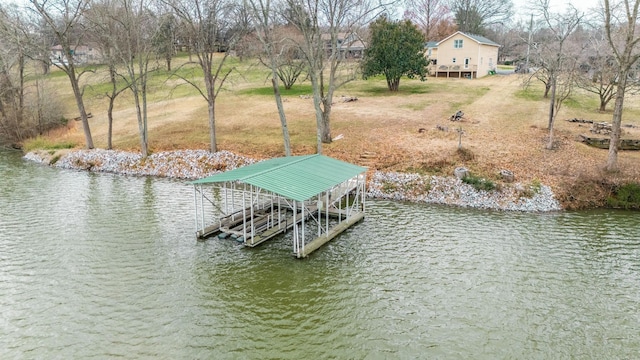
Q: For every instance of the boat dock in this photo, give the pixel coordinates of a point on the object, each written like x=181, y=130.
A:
x=258, y=202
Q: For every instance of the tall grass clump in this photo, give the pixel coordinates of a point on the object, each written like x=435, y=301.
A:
x=479, y=183
x=43, y=143
x=626, y=197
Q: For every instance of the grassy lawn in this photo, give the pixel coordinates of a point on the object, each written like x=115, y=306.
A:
x=504, y=127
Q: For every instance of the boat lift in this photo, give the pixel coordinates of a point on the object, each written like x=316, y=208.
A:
x=257, y=202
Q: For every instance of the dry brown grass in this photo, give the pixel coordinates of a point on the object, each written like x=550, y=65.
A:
x=501, y=131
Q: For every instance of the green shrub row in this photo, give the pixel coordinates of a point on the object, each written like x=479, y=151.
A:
x=626, y=197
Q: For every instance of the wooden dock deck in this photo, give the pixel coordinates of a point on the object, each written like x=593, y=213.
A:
x=266, y=225
x=325, y=238
x=216, y=228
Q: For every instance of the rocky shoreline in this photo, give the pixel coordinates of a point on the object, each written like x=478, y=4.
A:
x=195, y=164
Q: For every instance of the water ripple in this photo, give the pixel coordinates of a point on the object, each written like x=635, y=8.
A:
x=102, y=266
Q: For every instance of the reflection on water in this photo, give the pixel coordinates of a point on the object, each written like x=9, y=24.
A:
x=97, y=265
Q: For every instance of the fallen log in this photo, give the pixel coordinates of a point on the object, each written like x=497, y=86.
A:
x=603, y=143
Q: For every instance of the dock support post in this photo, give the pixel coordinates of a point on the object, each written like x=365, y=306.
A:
x=363, y=179
x=233, y=201
x=347, y=205
x=253, y=230
x=244, y=216
x=302, y=242
x=202, y=207
x=319, y=214
x=195, y=206
x=326, y=212
x=224, y=200
x=340, y=208
x=295, y=230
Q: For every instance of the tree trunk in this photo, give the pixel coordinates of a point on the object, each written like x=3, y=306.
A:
x=547, y=87
x=112, y=99
x=319, y=121
x=213, y=145
x=393, y=84
x=145, y=126
x=283, y=118
x=83, y=112
x=317, y=101
x=209, y=83
x=552, y=114
x=39, y=112
x=45, y=67
x=110, y=124
x=612, y=159
x=141, y=127
x=326, y=125
x=21, y=64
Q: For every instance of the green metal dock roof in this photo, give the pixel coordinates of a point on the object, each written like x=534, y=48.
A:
x=295, y=177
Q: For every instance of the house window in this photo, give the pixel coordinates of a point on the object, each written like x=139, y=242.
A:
x=454, y=60
x=457, y=44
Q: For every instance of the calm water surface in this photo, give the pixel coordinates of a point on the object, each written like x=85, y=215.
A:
x=104, y=266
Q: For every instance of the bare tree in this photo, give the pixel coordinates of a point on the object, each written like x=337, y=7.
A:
x=475, y=16
x=289, y=65
x=599, y=72
x=262, y=12
x=164, y=38
x=106, y=32
x=328, y=28
x=14, y=36
x=44, y=107
x=557, y=57
x=542, y=74
x=512, y=39
x=64, y=18
x=620, y=22
x=206, y=24
x=25, y=110
x=429, y=15
x=561, y=90
x=134, y=30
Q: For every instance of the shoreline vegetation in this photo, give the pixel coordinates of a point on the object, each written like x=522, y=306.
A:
x=412, y=187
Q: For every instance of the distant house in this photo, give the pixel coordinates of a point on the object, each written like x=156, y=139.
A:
x=82, y=54
x=462, y=55
x=350, y=46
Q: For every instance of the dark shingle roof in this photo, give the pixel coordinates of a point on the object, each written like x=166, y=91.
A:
x=431, y=44
x=481, y=39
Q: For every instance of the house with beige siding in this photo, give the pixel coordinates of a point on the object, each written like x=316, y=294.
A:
x=462, y=55
x=82, y=54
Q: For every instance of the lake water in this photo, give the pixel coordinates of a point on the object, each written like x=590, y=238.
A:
x=105, y=266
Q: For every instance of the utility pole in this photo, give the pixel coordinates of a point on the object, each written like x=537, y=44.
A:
x=526, y=66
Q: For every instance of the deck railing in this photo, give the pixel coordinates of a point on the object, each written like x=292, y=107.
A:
x=439, y=70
